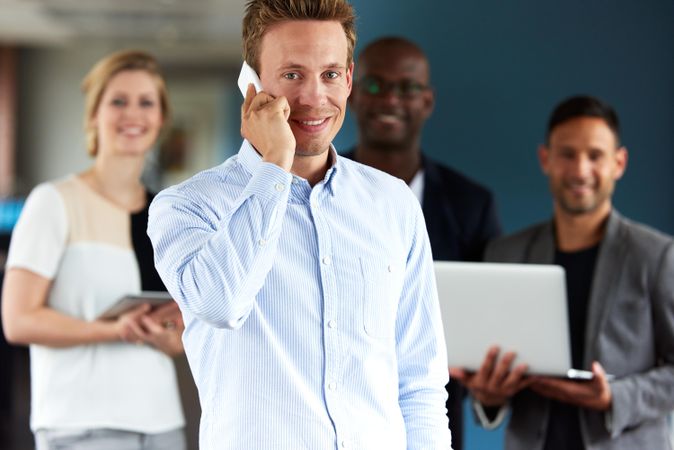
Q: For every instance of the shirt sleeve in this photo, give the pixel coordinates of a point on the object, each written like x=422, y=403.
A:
x=215, y=262
x=40, y=234
x=421, y=350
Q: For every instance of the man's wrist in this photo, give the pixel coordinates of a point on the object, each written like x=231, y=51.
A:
x=282, y=159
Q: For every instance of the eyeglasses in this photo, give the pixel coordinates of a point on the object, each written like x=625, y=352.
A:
x=403, y=88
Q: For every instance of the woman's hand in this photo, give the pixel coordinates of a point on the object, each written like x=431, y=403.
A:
x=129, y=327
x=164, y=327
x=166, y=338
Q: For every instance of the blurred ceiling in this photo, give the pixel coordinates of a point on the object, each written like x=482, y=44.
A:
x=189, y=31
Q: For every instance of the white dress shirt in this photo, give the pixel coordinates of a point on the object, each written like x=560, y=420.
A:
x=312, y=319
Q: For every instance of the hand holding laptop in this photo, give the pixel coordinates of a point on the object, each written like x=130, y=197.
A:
x=593, y=394
x=495, y=382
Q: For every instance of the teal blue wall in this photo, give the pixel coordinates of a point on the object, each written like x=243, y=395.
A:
x=499, y=67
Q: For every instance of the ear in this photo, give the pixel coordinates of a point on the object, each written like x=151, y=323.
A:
x=544, y=158
x=91, y=123
x=621, y=162
x=429, y=102
x=349, y=77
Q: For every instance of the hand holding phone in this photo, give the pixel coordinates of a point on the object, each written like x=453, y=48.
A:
x=246, y=77
x=264, y=121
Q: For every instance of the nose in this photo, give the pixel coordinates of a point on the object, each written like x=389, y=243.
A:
x=389, y=97
x=133, y=109
x=582, y=166
x=313, y=93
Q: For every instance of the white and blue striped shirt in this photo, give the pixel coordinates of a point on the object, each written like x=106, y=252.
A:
x=312, y=319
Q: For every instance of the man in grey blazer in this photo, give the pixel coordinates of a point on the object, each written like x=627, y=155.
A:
x=620, y=281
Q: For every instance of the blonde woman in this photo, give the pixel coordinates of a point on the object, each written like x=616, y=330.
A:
x=80, y=245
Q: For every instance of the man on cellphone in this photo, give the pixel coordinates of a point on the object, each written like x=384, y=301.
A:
x=305, y=279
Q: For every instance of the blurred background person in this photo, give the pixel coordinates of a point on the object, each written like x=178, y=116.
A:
x=620, y=298
x=391, y=101
x=78, y=246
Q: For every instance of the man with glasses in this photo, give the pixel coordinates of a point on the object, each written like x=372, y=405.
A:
x=392, y=99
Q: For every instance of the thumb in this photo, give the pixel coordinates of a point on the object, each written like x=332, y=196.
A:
x=597, y=369
x=600, y=376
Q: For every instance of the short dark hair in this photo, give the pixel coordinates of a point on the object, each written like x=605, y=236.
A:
x=584, y=106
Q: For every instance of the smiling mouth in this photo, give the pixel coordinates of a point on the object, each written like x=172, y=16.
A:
x=311, y=123
x=580, y=189
x=132, y=131
x=386, y=118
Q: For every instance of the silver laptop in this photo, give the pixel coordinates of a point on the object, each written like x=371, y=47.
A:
x=519, y=307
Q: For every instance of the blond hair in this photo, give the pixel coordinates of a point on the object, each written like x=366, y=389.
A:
x=102, y=72
x=262, y=14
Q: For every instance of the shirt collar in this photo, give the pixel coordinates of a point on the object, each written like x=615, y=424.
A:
x=334, y=164
x=251, y=159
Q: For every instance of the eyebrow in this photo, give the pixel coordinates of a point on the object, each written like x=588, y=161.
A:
x=297, y=66
x=125, y=94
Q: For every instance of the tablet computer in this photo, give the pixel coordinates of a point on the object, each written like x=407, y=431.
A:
x=154, y=298
x=519, y=307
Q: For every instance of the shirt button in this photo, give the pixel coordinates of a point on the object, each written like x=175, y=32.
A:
x=279, y=187
x=332, y=324
x=295, y=181
x=390, y=267
x=345, y=444
x=262, y=242
x=326, y=260
x=332, y=386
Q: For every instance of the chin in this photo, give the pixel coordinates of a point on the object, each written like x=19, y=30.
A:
x=312, y=147
x=134, y=151
x=577, y=208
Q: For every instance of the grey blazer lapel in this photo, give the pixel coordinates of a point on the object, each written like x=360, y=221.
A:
x=604, y=284
x=542, y=245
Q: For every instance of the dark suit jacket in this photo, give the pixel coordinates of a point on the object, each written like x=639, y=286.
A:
x=460, y=218
x=630, y=331
x=460, y=214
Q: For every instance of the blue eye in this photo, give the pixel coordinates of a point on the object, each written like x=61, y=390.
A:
x=332, y=75
x=291, y=76
x=118, y=102
x=147, y=103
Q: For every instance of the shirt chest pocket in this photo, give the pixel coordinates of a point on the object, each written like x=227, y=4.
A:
x=382, y=286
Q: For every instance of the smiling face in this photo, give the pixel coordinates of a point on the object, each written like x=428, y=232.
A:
x=306, y=61
x=391, y=100
x=582, y=162
x=129, y=116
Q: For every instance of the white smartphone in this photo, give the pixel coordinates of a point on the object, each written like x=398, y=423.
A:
x=246, y=77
